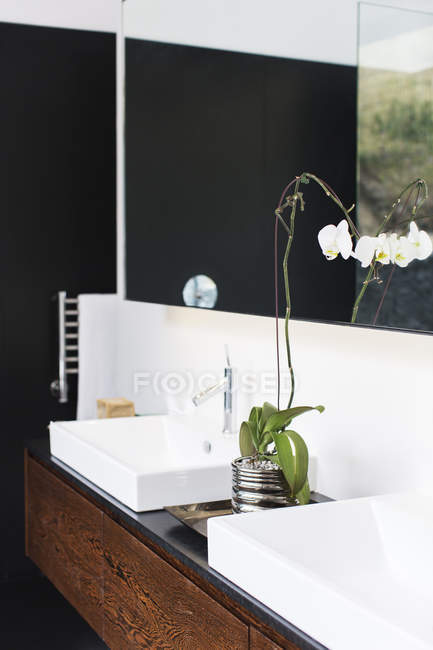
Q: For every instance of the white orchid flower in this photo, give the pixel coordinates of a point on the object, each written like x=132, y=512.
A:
x=421, y=242
x=335, y=239
x=383, y=249
x=365, y=250
x=401, y=249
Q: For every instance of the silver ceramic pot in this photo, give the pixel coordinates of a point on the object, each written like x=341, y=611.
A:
x=258, y=489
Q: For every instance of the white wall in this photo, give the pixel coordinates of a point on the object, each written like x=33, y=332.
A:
x=376, y=434
x=316, y=30
x=277, y=27
x=98, y=15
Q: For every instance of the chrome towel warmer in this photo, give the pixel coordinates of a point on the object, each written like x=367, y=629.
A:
x=68, y=345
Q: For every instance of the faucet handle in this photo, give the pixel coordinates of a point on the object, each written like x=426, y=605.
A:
x=226, y=348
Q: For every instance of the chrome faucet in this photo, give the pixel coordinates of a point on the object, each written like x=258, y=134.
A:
x=226, y=385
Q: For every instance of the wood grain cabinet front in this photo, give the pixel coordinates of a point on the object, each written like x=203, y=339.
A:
x=132, y=597
x=149, y=604
x=64, y=539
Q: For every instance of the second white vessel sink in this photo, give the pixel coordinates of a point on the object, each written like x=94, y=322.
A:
x=352, y=574
x=149, y=462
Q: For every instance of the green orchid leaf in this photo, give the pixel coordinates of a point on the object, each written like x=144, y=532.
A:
x=304, y=494
x=301, y=460
x=255, y=415
x=264, y=441
x=293, y=458
x=254, y=418
x=285, y=457
x=278, y=421
x=246, y=440
x=253, y=421
x=267, y=410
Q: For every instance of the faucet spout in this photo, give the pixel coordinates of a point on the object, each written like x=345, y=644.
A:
x=226, y=385
x=207, y=393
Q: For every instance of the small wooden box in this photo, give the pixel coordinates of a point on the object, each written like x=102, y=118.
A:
x=115, y=407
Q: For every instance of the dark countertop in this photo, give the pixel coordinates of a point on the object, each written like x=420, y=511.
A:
x=185, y=544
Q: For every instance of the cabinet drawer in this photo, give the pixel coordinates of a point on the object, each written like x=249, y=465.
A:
x=149, y=604
x=64, y=538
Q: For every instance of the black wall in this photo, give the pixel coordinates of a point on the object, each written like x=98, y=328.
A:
x=212, y=137
x=57, y=212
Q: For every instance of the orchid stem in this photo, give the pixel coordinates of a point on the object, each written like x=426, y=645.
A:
x=330, y=192
x=361, y=293
x=290, y=229
x=287, y=288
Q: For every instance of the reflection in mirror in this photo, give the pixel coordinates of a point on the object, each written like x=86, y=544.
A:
x=210, y=139
x=200, y=291
x=395, y=107
x=212, y=136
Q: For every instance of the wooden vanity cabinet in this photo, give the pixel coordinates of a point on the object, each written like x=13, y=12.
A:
x=150, y=604
x=131, y=596
x=64, y=539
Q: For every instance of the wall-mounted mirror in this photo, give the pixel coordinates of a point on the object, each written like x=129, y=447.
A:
x=395, y=145
x=212, y=136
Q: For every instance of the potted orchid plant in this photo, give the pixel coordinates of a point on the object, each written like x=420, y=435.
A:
x=273, y=468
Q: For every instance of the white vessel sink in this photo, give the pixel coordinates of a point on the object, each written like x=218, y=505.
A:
x=149, y=462
x=352, y=574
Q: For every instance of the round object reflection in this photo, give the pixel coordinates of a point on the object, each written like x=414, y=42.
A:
x=200, y=291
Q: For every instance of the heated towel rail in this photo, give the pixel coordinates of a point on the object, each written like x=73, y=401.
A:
x=68, y=345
